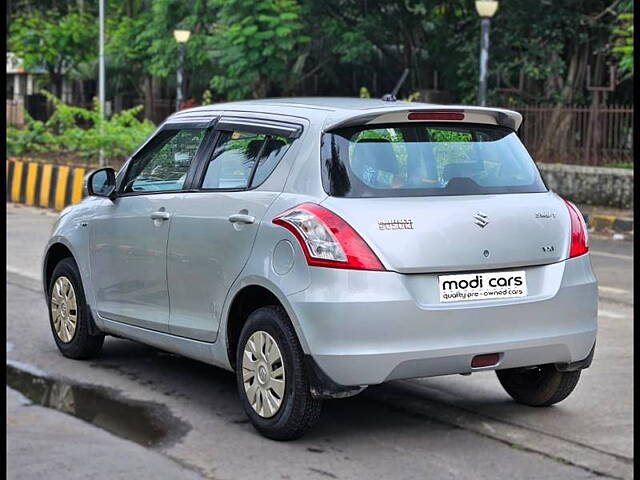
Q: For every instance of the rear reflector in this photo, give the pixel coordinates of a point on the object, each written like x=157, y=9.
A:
x=487, y=360
x=436, y=116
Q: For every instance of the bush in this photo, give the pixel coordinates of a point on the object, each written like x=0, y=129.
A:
x=75, y=132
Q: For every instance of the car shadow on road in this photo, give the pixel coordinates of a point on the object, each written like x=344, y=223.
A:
x=209, y=388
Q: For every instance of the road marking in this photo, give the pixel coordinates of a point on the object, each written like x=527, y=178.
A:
x=620, y=291
x=607, y=313
x=611, y=255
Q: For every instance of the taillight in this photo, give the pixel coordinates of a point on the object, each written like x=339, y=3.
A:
x=578, y=232
x=326, y=239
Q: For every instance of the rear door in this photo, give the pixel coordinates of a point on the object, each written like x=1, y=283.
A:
x=214, y=225
x=444, y=197
x=129, y=235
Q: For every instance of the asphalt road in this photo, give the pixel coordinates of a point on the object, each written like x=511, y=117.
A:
x=136, y=411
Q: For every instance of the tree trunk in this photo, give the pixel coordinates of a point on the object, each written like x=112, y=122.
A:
x=556, y=141
x=56, y=80
x=260, y=86
x=149, y=112
x=594, y=133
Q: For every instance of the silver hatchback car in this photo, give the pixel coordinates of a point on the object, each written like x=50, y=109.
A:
x=316, y=246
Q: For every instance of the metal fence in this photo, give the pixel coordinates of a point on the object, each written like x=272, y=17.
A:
x=598, y=135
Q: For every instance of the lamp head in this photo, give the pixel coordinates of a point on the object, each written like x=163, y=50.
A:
x=181, y=36
x=486, y=8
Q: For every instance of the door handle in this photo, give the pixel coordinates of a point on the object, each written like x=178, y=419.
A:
x=160, y=216
x=241, y=218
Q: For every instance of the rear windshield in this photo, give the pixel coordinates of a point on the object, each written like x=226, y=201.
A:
x=426, y=159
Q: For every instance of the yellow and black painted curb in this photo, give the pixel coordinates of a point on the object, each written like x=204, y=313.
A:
x=43, y=184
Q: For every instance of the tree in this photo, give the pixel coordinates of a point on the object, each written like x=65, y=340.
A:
x=370, y=43
x=623, y=40
x=259, y=42
x=141, y=49
x=54, y=40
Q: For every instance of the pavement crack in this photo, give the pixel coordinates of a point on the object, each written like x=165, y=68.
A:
x=324, y=473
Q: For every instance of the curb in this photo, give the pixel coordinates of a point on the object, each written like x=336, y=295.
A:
x=44, y=184
x=602, y=223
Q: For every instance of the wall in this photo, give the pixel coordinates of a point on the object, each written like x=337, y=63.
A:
x=600, y=186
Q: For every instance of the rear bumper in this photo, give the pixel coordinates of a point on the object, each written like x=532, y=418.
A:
x=365, y=328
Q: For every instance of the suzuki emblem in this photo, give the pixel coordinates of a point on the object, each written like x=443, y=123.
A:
x=481, y=219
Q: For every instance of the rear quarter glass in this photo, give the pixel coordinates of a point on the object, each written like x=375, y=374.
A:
x=426, y=159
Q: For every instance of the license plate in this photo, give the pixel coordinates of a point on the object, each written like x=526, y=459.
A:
x=482, y=286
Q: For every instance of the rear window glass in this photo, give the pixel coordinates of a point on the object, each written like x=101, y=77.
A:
x=426, y=159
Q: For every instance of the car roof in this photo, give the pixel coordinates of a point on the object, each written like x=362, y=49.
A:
x=323, y=103
x=341, y=111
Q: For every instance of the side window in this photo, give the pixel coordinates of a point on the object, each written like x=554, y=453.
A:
x=164, y=164
x=232, y=160
x=240, y=155
x=274, y=149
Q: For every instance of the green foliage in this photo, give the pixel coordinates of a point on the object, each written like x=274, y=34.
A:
x=32, y=139
x=52, y=40
x=623, y=36
x=540, y=41
x=364, y=92
x=206, y=97
x=77, y=132
x=258, y=42
x=412, y=97
x=621, y=164
x=256, y=48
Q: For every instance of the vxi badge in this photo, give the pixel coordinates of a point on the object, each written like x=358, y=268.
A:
x=482, y=286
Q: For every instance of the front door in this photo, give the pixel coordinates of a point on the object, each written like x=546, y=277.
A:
x=129, y=235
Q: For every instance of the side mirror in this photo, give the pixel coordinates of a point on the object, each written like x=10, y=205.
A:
x=102, y=183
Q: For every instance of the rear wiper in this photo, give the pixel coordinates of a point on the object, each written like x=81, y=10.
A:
x=462, y=183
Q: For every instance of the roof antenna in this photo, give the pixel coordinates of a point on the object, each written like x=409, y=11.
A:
x=391, y=97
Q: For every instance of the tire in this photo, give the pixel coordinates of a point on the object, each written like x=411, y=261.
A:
x=298, y=410
x=80, y=344
x=540, y=386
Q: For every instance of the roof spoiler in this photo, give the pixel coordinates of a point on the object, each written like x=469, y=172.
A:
x=425, y=112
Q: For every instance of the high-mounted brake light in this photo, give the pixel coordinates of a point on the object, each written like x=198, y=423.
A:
x=578, y=232
x=436, y=116
x=326, y=239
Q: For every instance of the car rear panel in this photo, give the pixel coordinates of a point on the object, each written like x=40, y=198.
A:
x=365, y=328
x=444, y=234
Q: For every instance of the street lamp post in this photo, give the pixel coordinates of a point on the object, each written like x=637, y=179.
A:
x=486, y=9
x=181, y=36
x=101, y=77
